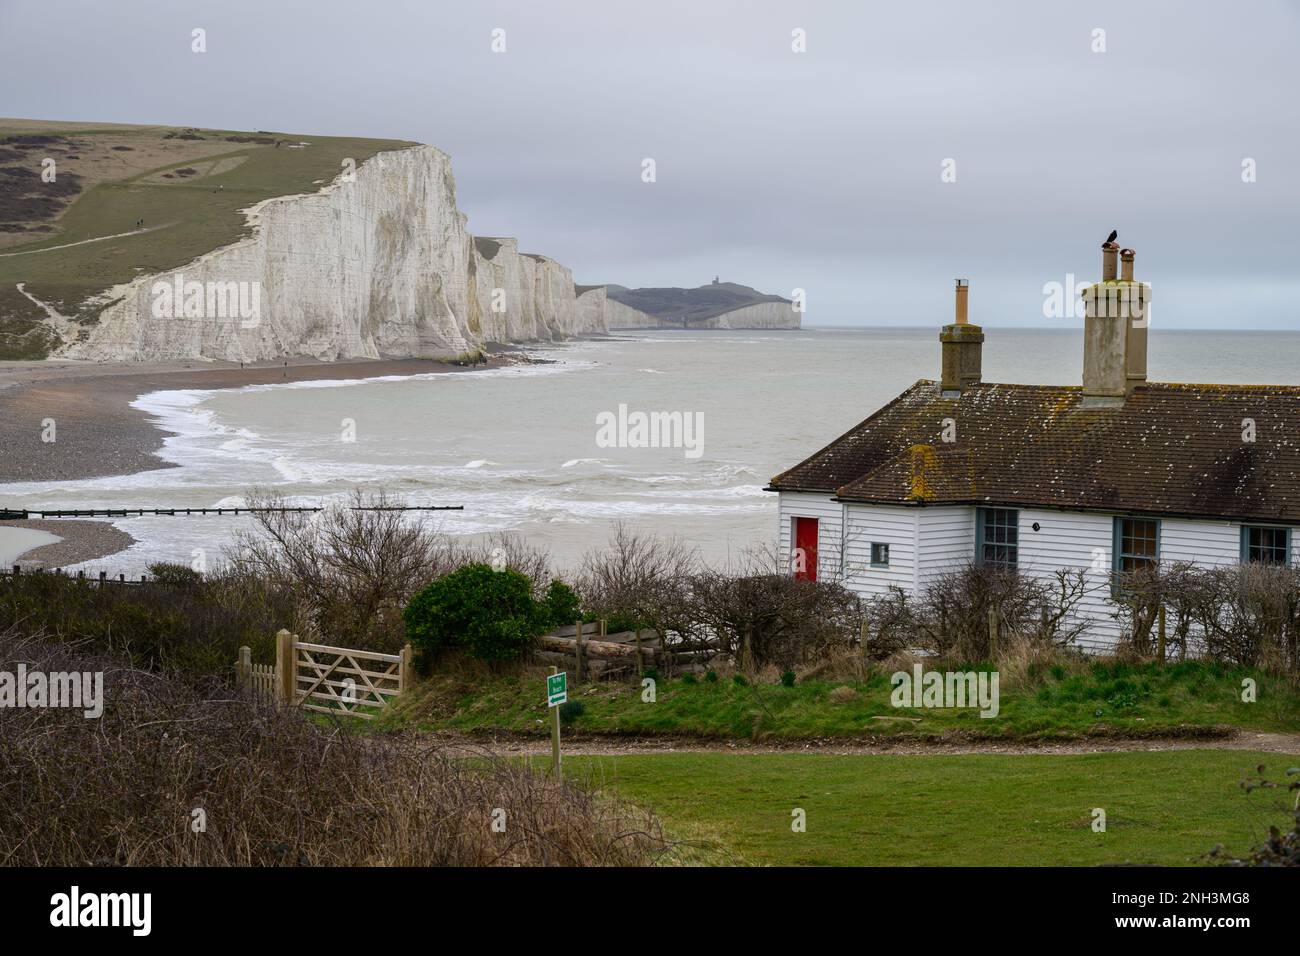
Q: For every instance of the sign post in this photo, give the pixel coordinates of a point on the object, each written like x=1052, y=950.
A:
x=557, y=692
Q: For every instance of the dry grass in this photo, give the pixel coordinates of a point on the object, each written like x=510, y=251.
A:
x=273, y=788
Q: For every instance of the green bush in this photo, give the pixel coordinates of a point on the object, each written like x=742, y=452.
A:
x=491, y=614
x=168, y=573
x=571, y=710
x=787, y=679
x=188, y=624
x=617, y=622
x=562, y=605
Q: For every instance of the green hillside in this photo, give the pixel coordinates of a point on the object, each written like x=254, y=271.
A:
x=690, y=305
x=133, y=199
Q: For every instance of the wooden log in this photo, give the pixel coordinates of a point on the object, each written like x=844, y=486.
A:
x=605, y=650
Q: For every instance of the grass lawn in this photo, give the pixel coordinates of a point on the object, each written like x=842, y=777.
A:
x=1165, y=807
x=1089, y=698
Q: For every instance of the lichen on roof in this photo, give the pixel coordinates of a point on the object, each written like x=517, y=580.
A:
x=1173, y=449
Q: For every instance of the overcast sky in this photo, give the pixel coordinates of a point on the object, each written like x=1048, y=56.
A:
x=819, y=170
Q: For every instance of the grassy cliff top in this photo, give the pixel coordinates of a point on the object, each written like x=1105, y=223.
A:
x=70, y=239
x=690, y=305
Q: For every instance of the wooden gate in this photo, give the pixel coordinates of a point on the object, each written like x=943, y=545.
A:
x=329, y=680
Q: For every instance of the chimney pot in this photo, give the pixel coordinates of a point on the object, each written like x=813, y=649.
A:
x=1108, y=264
x=962, y=345
x=1126, y=264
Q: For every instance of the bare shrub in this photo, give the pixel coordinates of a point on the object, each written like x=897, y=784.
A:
x=191, y=625
x=273, y=788
x=950, y=615
x=766, y=618
x=1243, y=614
x=352, y=570
x=640, y=580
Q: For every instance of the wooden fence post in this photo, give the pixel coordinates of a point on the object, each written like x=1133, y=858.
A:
x=244, y=668
x=640, y=661
x=286, y=667
x=579, y=652
x=993, y=635
x=864, y=636
x=1160, y=636
x=404, y=674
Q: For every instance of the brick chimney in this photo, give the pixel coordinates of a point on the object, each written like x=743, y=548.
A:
x=1114, y=331
x=962, y=345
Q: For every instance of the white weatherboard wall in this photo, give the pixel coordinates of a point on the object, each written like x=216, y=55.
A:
x=830, y=525
x=947, y=541
x=925, y=542
x=1085, y=541
x=1073, y=541
x=881, y=524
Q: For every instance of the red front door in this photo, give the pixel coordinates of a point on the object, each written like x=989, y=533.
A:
x=804, y=559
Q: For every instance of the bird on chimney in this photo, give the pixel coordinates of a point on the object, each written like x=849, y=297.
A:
x=1114, y=234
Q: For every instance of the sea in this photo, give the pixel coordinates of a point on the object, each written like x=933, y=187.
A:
x=674, y=433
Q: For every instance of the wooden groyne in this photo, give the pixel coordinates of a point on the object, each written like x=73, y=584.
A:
x=25, y=514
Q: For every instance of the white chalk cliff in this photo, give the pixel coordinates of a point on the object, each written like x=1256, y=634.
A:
x=381, y=265
x=374, y=265
x=760, y=315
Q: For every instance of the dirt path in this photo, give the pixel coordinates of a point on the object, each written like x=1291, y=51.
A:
x=587, y=745
x=82, y=242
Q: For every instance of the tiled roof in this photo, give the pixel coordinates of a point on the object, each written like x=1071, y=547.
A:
x=1169, y=449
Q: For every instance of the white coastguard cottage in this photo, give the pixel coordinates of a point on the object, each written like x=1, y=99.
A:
x=1108, y=476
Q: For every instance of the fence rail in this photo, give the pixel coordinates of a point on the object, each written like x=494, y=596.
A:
x=326, y=679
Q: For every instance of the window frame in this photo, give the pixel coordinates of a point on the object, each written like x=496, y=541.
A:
x=1117, y=553
x=1246, y=529
x=872, y=554
x=981, y=524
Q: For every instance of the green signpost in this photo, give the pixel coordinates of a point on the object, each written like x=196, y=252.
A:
x=557, y=692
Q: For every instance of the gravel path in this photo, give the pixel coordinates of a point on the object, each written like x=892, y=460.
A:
x=587, y=745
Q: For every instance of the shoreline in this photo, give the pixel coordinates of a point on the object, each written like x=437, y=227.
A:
x=98, y=434
x=82, y=540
